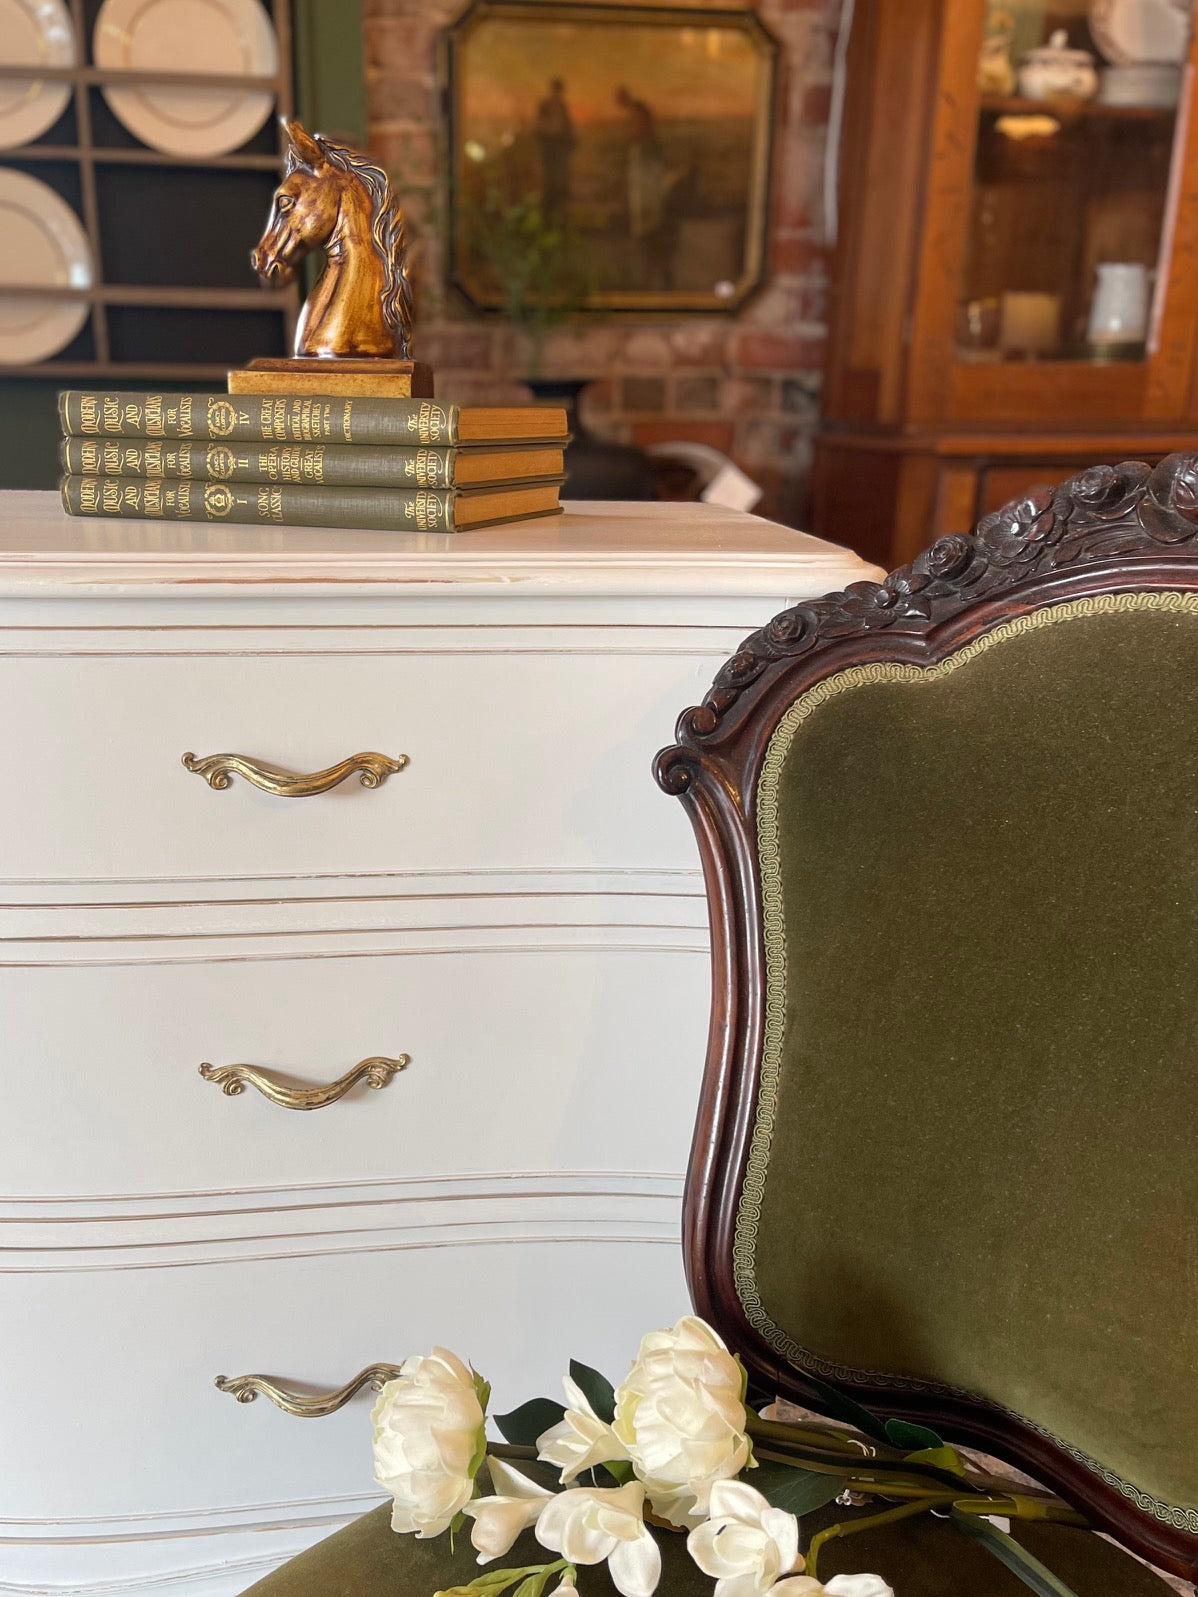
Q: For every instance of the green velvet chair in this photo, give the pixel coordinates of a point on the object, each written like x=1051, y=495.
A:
x=945, y=1149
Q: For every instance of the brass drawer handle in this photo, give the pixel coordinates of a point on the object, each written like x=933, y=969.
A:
x=245, y=1389
x=233, y=1080
x=218, y=771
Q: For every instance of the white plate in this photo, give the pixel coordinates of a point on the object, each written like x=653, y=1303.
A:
x=38, y=32
x=226, y=36
x=41, y=241
x=1130, y=31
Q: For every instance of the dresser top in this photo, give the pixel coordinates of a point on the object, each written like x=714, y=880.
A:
x=593, y=548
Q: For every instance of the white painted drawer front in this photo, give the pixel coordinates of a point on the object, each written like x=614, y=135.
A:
x=106, y=1389
x=521, y=1060
x=523, y=758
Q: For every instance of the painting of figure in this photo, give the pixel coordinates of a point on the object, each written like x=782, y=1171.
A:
x=627, y=145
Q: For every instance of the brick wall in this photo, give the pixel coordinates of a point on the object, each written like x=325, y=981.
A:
x=746, y=383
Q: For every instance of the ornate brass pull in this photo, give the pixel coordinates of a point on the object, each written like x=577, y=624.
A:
x=218, y=771
x=233, y=1080
x=245, y=1389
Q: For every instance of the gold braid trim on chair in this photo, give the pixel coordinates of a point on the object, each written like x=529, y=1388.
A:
x=749, y=1207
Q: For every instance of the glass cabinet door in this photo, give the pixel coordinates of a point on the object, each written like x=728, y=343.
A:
x=1066, y=254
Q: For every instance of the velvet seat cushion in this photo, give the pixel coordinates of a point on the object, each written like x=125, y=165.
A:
x=973, y=1160
x=918, y=1559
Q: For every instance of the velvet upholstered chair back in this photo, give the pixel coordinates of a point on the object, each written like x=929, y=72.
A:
x=947, y=1149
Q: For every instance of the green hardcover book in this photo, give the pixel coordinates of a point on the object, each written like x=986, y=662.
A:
x=316, y=465
x=376, y=509
x=293, y=419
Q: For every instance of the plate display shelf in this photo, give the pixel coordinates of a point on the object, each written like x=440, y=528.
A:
x=144, y=291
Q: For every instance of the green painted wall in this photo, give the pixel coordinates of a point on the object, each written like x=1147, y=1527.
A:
x=330, y=95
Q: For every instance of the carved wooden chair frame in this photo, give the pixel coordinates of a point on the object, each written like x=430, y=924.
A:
x=1110, y=529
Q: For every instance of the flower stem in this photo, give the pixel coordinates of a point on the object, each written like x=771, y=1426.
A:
x=851, y=1527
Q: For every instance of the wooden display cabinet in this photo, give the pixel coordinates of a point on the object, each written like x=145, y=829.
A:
x=962, y=365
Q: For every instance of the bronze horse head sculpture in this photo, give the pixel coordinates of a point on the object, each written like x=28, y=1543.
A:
x=336, y=198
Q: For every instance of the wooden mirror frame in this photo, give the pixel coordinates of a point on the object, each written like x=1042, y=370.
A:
x=1107, y=530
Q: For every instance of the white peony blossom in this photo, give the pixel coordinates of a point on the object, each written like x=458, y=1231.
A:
x=581, y=1439
x=500, y=1519
x=681, y=1416
x=838, y=1586
x=428, y=1441
x=746, y=1544
x=587, y=1524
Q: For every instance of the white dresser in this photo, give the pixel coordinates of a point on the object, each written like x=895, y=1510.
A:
x=517, y=910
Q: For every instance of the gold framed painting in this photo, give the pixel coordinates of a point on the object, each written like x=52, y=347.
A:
x=608, y=157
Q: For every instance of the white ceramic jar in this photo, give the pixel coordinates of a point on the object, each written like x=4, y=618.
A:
x=1119, y=309
x=1055, y=72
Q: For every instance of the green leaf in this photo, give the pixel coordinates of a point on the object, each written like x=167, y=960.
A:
x=1034, y=1575
x=798, y=1491
x=596, y=1388
x=482, y=1389
x=842, y=1407
x=619, y=1469
x=901, y=1433
x=942, y=1457
x=532, y=1419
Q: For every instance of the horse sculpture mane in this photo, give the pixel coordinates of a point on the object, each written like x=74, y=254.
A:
x=388, y=229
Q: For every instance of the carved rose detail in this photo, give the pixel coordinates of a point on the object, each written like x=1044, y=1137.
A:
x=1016, y=532
x=948, y=557
x=1102, y=513
x=1105, y=493
x=1170, y=511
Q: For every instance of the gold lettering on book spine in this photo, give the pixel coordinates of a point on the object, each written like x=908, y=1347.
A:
x=429, y=511
x=270, y=503
x=178, y=417
x=89, y=496
x=430, y=423
x=89, y=414
x=428, y=467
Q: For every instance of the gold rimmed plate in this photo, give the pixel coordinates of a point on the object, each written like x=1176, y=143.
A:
x=36, y=33
x=229, y=37
x=42, y=241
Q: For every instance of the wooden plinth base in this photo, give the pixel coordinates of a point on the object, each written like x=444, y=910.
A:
x=360, y=378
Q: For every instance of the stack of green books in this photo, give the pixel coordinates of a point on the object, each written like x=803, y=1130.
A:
x=403, y=465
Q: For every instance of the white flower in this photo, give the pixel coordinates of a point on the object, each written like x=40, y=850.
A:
x=428, y=1441
x=858, y=1586
x=838, y=1586
x=581, y=1439
x=564, y=1588
x=587, y=1524
x=499, y=1520
x=747, y=1545
x=680, y=1414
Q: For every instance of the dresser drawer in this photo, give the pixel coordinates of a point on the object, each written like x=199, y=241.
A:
x=521, y=1059
x=523, y=759
x=115, y=1368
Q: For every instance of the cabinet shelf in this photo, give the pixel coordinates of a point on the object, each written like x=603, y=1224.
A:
x=115, y=77
x=181, y=298
x=102, y=155
x=1074, y=110
x=125, y=371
